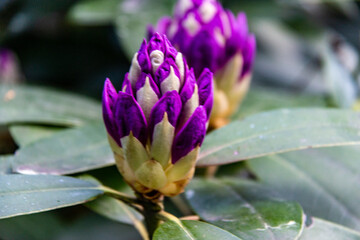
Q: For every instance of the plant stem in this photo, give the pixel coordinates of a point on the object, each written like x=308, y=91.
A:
x=151, y=208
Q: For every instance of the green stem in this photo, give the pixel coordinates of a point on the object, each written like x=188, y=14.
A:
x=151, y=208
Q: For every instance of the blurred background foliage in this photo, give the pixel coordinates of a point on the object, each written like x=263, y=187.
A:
x=307, y=55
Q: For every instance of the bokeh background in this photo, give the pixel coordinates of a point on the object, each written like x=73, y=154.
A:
x=307, y=55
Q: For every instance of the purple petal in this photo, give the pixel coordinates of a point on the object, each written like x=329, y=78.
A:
x=140, y=83
x=190, y=136
x=143, y=58
x=204, y=52
x=108, y=101
x=189, y=86
x=249, y=52
x=206, y=91
x=170, y=103
x=130, y=117
x=170, y=51
x=164, y=70
x=156, y=43
x=126, y=86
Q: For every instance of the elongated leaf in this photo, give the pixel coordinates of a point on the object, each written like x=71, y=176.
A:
x=69, y=151
x=24, y=194
x=5, y=164
x=245, y=209
x=280, y=131
x=324, y=181
x=324, y=230
x=26, y=134
x=261, y=99
x=27, y=227
x=114, y=209
x=191, y=230
x=39, y=105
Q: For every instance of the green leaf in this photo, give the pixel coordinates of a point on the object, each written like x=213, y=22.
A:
x=324, y=181
x=260, y=99
x=26, y=134
x=323, y=230
x=69, y=151
x=245, y=209
x=19, y=104
x=27, y=227
x=191, y=230
x=134, y=17
x=5, y=164
x=93, y=12
x=24, y=194
x=280, y=131
x=114, y=210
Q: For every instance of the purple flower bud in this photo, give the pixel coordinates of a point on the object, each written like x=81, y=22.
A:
x=212, y=37
x=157, y=123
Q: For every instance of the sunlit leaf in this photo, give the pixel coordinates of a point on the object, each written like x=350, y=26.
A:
x=280, y=131
x=20, y=104
x=24, y=194
x=191, y=230
x=324, y=230
x=69, y=151
x=324, y=181
x=245, y=209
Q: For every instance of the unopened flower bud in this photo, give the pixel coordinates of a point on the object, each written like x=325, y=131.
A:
x=212, y=37
x=157, y=122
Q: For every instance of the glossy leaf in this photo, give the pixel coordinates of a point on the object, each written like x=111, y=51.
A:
x=24, y=194
x=245, y=209
x=280, y=131
x=324, y=181
x=26, y=134
x=324, y=230
x=260, y=99
x=5, y=164
x=191, y=230
x=69, y=151
x=40, y=105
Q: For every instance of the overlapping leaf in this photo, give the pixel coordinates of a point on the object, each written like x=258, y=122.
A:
x=69, y=151
x=246, y=209
x=24, y=194
x=26, y=134
x=191, y=230
x=39, y=105
x=280, y=131
x=324, y=181
x=323, y=230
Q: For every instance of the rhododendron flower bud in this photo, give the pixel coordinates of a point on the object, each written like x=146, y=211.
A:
x=157, y=122
x=212, y=37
